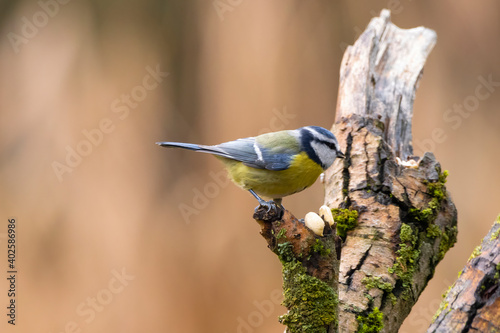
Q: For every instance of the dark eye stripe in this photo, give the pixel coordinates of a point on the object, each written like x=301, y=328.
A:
x=329, y=144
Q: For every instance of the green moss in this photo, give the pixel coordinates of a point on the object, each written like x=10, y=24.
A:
x=443, y=306
x=437, y=191
x=477, y=251
x=281, y=233
x=448, y=239
x=346, y=220
x=284, y=252
x=371, y=323
x=496, y=233
x=427, y=216
x=376, y=282
x=433, y=231
x=407, y=258
x=497, y=274
x=320, y=248
x=443, y=295
x=423, y=216
x=312, y=303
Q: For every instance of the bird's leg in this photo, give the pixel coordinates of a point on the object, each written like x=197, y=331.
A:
x=262, y=202
x=277, y=201
x=269, y=205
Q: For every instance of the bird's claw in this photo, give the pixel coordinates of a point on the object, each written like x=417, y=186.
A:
x=268, y=205
x=271, y=208
x=268, y=209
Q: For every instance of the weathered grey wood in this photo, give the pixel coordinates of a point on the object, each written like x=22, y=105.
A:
x=472, y=304
x=379, y=76
x=378, y=80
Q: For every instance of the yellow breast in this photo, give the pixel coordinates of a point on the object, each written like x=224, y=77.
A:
x=301, y=174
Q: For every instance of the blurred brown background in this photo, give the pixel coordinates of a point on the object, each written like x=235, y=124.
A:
x=116, y=234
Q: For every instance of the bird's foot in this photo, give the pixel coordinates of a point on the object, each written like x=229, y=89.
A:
x=269, y=210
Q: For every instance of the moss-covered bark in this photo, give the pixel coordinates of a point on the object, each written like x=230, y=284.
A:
x=310, y=272
x=406, y=220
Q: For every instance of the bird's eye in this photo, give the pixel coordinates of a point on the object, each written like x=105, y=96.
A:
x=330, y=145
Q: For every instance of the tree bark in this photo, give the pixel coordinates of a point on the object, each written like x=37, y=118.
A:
x=407, y=220
x=391, y=208
x=472, y=304
x=310, y=270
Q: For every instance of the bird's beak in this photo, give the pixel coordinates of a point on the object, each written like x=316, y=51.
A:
x=340, y=154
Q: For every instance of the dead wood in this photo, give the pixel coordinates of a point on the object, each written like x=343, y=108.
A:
x=472, y=304
x=407, y=220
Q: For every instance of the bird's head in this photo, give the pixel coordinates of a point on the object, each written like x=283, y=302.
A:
x=320, y=145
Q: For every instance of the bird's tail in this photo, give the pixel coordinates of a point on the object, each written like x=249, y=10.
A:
x=214, y=150
x=189, y=146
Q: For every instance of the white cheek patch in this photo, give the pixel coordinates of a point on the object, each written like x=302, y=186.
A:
x=325, y=154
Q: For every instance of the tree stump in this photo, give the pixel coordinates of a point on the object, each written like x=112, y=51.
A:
x=392, y=209
x=406, y=219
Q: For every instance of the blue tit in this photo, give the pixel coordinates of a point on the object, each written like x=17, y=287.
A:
x=277, y=164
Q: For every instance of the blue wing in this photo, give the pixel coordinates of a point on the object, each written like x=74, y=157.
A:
x=272, y=151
